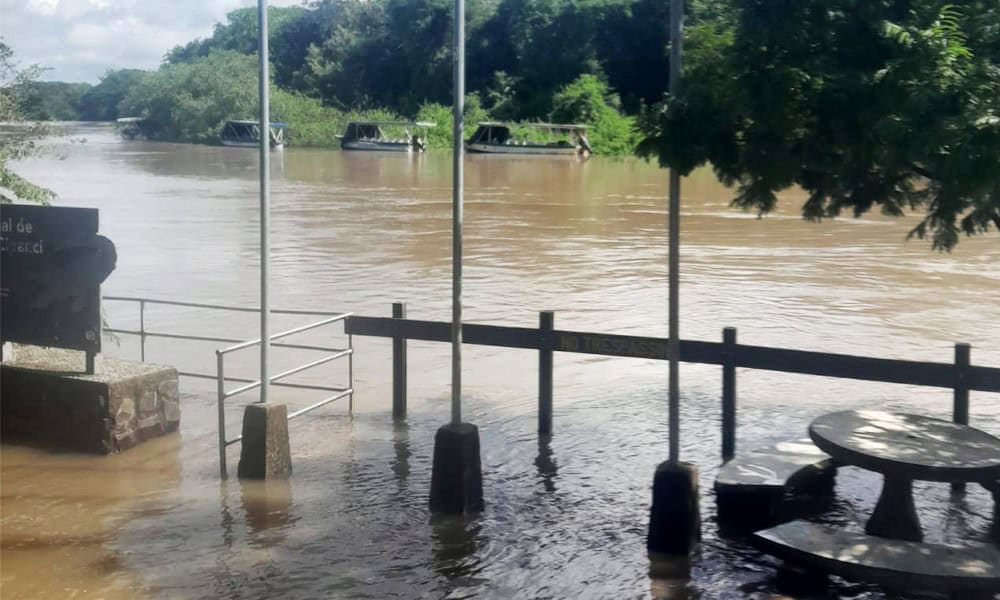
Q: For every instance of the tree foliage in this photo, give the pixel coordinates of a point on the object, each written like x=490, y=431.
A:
x=53, y=100
x=862, y=103
x=20, y=140
x=101, y=102
x=588, y=100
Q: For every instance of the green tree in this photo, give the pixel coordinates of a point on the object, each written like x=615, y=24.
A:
x=190, y=102
x=239, y=33
x=588, y=100
x=21, y=138
x=862, y=103
x=100, y=103
x=53, y=100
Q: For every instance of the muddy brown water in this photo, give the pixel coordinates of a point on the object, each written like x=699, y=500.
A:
x=566, y=517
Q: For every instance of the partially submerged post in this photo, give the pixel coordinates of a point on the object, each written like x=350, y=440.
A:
x=456, y=476
x=264, y=452
x=674, y=520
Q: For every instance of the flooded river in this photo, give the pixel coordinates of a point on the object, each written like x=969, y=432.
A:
x=566, y=517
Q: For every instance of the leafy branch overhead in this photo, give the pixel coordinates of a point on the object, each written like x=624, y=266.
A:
x=20, y=139
x=862, y=104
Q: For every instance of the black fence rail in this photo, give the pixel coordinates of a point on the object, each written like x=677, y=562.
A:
x=960, y=376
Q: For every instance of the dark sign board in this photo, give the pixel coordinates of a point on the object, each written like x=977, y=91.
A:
x=612, y=345
x=52, y=263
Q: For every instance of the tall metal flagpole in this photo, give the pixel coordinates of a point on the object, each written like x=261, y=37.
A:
x=457, y=187
x=674, y=231
x=264, y=127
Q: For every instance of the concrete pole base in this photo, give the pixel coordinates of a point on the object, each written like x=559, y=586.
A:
x=456, y=475
x=264, y=452
x=674, y=519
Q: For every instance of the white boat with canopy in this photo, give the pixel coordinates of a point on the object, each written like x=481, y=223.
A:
x=246, y=134
x=545, y=138
x=371, y=135
x=130, y=128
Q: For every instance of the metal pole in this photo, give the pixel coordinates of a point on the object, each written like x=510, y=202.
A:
x=546, y=322
x=142, y=330
x=264, y=127
x=221, y=406
x=674, y=228
x=728, y=393
x=398, y=366
x=458, y=108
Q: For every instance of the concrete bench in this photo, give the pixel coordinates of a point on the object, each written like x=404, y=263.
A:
x=895, y=564
x=753, y=490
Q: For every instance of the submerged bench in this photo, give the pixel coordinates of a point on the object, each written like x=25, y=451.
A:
x=892, y=563
x=752, y=491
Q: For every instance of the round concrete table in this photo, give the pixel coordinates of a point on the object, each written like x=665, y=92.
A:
x=902, y=448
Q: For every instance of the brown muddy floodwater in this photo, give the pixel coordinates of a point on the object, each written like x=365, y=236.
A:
x=565, y=518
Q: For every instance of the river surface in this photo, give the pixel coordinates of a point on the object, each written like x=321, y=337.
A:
x=565, y=517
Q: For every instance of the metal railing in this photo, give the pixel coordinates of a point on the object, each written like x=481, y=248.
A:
x=334, y=353
x=961, y=376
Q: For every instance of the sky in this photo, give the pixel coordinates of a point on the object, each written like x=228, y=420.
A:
x=79, y=40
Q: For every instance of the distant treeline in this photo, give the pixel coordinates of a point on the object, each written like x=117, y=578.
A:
x=594, y=61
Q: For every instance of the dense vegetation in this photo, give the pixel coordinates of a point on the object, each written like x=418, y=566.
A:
x=344, y=57
x=894, y=104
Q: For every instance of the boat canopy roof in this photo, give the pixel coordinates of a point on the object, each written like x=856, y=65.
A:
x=275, y=124
x=562, y=126
x=397, y=123
x=129, y=120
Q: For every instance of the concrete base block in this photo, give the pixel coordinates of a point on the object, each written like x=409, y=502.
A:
x=264, y=450
x=456, y=476
x=674, y=519
x=50, y=403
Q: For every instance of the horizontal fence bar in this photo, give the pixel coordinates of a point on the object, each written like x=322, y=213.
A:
x=200, y=338
x=256, y=383
x=177, y=336
x=436, y=331
x=300, y=386
x=985, y=379
x=341, y=392
x=846, y=366
x=280, y=311
x=321, y=403
x=286, y=333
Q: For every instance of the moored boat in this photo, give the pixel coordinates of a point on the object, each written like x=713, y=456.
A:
x=503, y=138
x=131, y=128
x=369, y=135
x=246, y=134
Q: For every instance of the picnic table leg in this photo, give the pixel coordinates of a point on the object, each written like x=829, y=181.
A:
x=895, y=515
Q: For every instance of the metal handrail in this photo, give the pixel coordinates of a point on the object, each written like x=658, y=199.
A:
x=256, y=383
x=276, y=336
x=239, y=344
x=280, y=311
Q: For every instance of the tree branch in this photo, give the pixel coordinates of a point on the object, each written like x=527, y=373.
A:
x=921, y=171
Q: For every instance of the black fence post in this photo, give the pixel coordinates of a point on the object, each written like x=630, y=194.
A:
x=546, y=321
x=398, y=366
x=960, y=411
x=728, y=393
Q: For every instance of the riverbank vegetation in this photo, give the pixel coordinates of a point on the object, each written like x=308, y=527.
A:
x=341, y=59
x=863, y=104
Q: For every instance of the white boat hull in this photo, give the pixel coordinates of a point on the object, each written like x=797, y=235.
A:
x=518, y=149
x=377, y=146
